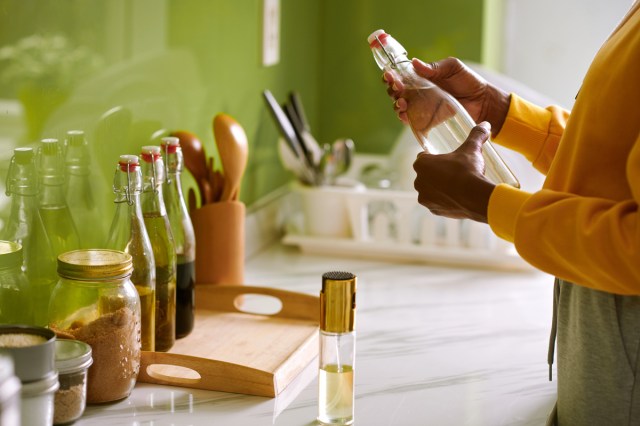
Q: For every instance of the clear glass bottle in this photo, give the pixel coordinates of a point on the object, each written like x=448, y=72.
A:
x=128, y=233
x=15, y=295
x=25, y=227
x=164, y=249
x=96, y=302
x=81, y=193
x=183, y=236
x=337, y=349
x=54, y=210
x=439, y=122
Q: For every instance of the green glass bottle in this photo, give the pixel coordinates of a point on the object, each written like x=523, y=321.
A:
x=183, y=236
x=25, y=227
x=164, y=249
x=128, y=233
x=83, y=190
x=58, y=223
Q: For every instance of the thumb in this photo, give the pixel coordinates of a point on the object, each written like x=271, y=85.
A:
x=423, y=69
x=477, y=137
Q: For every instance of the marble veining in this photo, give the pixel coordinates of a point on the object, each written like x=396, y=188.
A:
x=435, y=346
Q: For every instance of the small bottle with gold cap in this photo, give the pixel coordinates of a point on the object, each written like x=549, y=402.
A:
x=337, y=348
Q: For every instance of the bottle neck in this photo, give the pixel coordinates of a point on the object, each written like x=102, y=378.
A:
x=153, y=176
x=152, y=202
x=21, y=180
x=52, y=195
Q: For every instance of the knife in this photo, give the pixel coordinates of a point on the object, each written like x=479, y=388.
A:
x=299, y=131
x=288, y=133
x=296, y=101
x=311, y=147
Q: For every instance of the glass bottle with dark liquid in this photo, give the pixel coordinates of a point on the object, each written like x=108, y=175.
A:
x=128, y=233
x=183, y=236
x=164, y=250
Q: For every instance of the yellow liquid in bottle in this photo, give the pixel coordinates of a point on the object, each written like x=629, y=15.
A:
x=165, y=257
x=147, y=314
x=335, y=395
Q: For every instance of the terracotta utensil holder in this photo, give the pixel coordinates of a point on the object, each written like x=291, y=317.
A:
x=219, y=229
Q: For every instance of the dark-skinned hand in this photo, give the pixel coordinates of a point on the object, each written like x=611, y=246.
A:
x=453, y=184
x=483, y=101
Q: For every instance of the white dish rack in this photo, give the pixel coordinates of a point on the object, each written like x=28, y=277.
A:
x=389, y=225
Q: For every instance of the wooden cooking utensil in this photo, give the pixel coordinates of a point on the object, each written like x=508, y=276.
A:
x=233, y=148
x=195, y=159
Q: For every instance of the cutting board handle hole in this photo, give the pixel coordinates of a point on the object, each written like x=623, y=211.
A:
x=173, y=374
x=257, y=304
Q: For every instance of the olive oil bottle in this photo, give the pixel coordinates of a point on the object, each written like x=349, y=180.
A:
x=337, y=349
x=128, y=233
x=162, y=244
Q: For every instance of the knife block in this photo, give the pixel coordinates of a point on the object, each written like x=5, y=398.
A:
x=219, y=229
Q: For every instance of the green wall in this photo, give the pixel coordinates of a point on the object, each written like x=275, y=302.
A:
x=354, y=102
x=174, y=64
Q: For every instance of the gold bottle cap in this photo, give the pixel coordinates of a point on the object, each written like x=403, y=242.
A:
x=338, y=302
x=94, y=264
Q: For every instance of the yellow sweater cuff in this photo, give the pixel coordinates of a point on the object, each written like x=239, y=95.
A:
x=504, y=205
x=525, y=128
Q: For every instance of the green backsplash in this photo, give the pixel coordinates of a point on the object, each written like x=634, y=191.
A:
x=148, y=65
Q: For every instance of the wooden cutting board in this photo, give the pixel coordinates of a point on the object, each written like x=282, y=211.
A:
x=233, y=350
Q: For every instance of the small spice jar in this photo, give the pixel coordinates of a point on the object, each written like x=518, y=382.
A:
x=73, y=359
x=96, y=303
x=9, y=394
x=32, y=350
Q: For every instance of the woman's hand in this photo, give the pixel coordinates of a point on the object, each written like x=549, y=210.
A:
x=453, y=184
x=483, y=101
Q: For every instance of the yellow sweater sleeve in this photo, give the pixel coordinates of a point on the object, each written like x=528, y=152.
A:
x=533, y=131
x=584, y=224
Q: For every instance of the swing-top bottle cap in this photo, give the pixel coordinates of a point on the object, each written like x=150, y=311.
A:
x=129, y=159
x=23, y=155
x=75, y=138
x=171, y=141
x=377, y=35
x=127, y=162
x=150, y=153
x=338, y=302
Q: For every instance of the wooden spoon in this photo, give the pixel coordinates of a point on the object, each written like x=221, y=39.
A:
x=233, y=148
x=195, y=159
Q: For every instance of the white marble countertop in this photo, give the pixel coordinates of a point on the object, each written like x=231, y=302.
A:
x=435, y=346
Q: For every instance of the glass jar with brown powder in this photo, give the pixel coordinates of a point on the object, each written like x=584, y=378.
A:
x=95, y=302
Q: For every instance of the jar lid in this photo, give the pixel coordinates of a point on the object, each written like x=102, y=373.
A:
x=94, y=264
x=10, y=254
x=72, y=356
